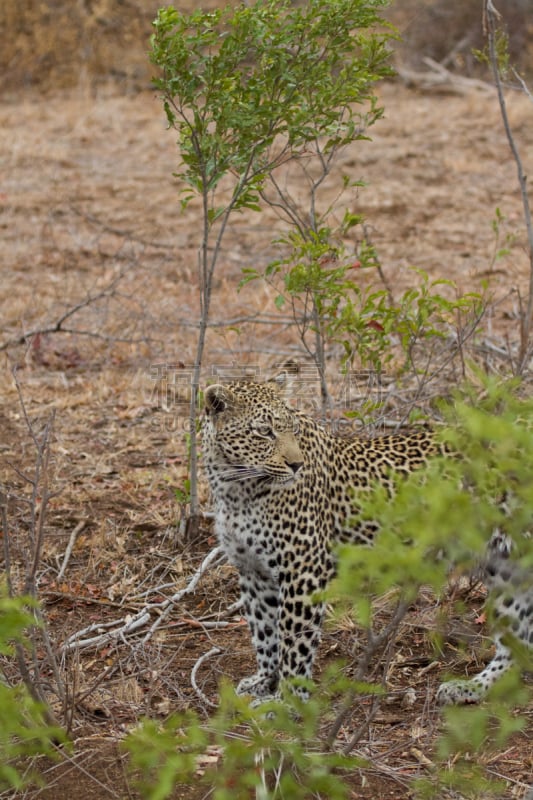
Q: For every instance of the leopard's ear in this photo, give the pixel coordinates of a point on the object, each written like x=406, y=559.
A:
x=218, y=398
x=285, y=376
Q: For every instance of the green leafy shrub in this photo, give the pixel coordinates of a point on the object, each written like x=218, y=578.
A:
x=444, y=515
x=250, y=89
x=273, y=751
x=23, y=730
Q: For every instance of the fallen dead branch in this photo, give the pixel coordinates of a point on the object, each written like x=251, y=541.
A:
x=439, y=79
x=100, y=634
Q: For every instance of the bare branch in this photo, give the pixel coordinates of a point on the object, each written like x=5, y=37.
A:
x=6, y=540
x=523, y=84
x=216, y=556
x=39, y=484
x=491, y=17
x=38, y=504
x=59, y=327
x=374, y=644
x=438, y=78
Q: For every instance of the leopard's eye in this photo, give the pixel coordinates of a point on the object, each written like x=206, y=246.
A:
x=264, y=429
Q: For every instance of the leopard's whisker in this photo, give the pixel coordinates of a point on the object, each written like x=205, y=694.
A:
x=240, y=472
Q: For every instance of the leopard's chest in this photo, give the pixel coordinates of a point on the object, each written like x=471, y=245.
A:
x=247, y=536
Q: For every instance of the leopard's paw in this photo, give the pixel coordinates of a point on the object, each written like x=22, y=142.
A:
x=459, y=693
x=259, y=685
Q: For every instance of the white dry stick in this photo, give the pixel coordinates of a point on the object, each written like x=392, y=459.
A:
x=119, y=629
x=236, y=606
x=127, y=625
x=215, y=651
x=261, y=791
x=219, y=625
x=93, y=628
x=70, y=546
x=216, y=556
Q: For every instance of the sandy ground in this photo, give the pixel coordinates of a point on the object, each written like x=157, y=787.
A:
x=92, y=229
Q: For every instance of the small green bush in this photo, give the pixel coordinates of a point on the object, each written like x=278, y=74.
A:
x=444, y=515
x=23, y=729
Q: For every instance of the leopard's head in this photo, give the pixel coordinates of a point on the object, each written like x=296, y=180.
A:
x=250, y=435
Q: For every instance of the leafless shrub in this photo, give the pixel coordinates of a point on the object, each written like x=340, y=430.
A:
x=40, y=659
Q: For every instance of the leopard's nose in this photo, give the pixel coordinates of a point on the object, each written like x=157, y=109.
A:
x=295, y=465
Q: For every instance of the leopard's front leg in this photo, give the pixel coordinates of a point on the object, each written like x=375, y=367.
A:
x=260, y=594
x=300, y=617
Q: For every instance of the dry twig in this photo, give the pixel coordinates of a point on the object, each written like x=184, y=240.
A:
x=59, y=325
x=121, y=629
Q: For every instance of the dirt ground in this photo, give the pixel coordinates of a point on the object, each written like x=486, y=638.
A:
x=98, y=264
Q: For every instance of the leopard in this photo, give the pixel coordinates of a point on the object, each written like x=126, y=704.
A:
x=284, y=489
x=510, y=593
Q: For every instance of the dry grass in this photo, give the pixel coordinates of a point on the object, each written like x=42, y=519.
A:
x=58, y=44
x=90, y=218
